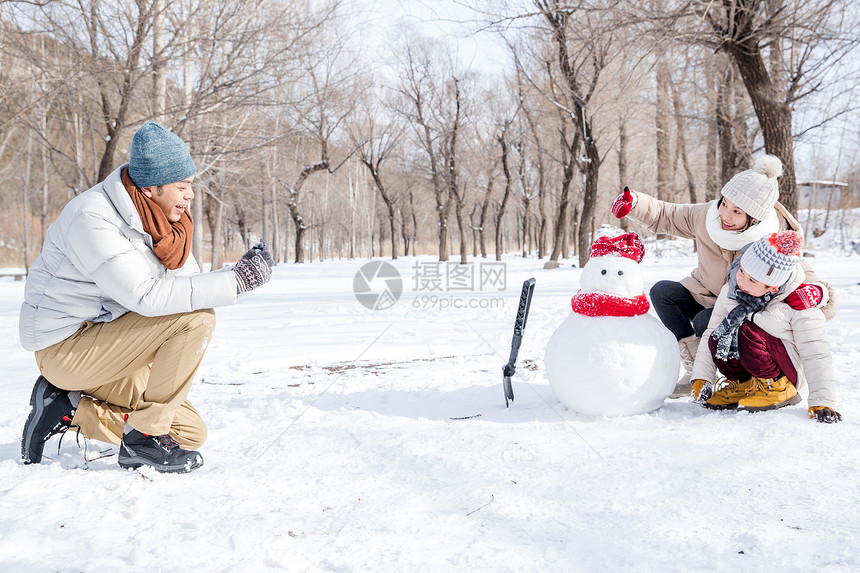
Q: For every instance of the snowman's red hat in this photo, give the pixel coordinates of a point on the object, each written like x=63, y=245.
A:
x=627, y=245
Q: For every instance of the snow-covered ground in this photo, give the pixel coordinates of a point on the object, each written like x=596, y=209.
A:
x=348, y=439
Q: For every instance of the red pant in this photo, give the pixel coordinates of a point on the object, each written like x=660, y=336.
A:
x=761, y=355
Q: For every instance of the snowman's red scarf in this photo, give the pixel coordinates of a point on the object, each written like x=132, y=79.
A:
x=603, y=304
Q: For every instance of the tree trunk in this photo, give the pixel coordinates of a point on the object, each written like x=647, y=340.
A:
x=578, y=114
x=404, y=232
x=158, y=68
x=506, y=170
x=774, y=116
x=541, y=238
x=712, y=184
x=526, y=200
x=622, y=162
x=665, y=190
x=276, y=225
x=300, y=226
x=586, y=219
x=414, y=218
x=441, y=193
x=389, y=201
x=115, y=122
x=217, y=225
x=729, y=154
x=541, y=168
x=293, y=204
x=43, y=208
x=482, y=223
x=264, y=217
x=392, y=223
x=199, y=200
x=526, y=227
x=451, y=172
x=559, y=241
x=299, y=245
x=461, y=227
x=770, y=98
x=25, y=191
x=681, y=128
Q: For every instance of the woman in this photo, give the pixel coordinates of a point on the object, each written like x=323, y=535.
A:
x=746, y=211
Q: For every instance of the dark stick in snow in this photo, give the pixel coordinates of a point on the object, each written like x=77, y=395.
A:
x=492, y=498
x=510, y=368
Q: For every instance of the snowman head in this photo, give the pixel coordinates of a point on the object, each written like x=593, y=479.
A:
x=614, y=266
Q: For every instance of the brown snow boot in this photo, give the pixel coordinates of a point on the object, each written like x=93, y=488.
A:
x=729, y=393
x=770, y=394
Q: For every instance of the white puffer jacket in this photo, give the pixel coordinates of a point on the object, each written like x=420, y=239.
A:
x=802, y=332
x=97, y=264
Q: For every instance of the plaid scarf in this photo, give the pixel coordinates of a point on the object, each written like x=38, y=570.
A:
x=726, y=334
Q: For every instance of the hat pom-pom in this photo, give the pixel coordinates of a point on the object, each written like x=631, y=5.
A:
x=768, y=165
x=787, y=243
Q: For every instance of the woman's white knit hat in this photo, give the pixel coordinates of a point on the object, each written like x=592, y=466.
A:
x=771, y=260
x=756, y=190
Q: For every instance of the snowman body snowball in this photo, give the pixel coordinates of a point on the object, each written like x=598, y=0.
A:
x=610, y=357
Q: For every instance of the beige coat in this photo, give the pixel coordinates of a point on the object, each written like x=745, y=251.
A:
x=803, y=332
x=689, y=221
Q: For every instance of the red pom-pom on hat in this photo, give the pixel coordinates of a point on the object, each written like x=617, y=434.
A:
x=627, y=245
x=787, y=243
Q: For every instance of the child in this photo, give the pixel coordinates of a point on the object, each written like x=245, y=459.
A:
x=746, y=211
x=766, y=348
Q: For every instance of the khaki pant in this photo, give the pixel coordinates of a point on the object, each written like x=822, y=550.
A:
x=137, y=366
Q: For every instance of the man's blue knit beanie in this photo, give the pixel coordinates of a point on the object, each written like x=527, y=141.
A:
x=158, y=157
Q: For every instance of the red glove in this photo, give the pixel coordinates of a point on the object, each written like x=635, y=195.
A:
x=805, y=296
x=623, y=204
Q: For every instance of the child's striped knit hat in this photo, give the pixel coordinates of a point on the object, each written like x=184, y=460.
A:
x=771, y=260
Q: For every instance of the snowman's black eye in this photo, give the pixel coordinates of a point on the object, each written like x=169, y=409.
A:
x=603, y=272
x=620, y=273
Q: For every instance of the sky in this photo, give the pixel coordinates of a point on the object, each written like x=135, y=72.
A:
x=446, y=19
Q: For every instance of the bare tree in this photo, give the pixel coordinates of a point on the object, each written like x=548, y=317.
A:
x=450, y=155
x=782, y=51
x=119, y=36
x=432, y=105
x=480, y=215
x=662, y=116
x=531, y=115
x=681, y=140
x=578, y=74
x=376, y=141
x=506, y=170
x=321, y=104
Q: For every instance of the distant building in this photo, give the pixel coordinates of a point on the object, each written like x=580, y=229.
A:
x=818, y=194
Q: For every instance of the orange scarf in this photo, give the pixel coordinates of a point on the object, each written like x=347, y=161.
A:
x=171, y=242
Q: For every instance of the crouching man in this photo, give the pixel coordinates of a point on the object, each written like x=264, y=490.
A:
x=119, y=314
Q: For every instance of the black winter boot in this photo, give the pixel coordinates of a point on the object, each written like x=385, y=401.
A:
x=51, y=413
x=161, y=452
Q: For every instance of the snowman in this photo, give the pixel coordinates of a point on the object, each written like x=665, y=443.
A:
x=610, y=357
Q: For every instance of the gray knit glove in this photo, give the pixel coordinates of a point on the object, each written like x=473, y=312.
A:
x=262, y=249
x=254, y=269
